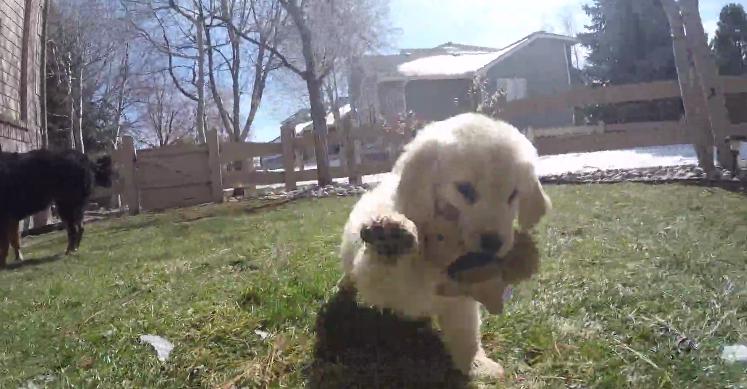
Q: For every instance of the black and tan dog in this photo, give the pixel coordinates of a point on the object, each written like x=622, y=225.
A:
x=32, y=181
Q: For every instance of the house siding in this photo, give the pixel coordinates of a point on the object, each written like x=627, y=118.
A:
x=544, y=64
x=438, y=99
x=20, y=64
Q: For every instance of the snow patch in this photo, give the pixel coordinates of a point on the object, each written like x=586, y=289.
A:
x=447, y=65
x=643, y=157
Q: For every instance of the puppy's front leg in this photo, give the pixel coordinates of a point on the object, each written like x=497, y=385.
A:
x=459, y=319
x=387, y=237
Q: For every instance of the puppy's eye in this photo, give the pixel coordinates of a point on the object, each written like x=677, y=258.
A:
x=513, y=196
x=468, y=191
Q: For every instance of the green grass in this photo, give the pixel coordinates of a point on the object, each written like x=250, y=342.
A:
x=627, y=270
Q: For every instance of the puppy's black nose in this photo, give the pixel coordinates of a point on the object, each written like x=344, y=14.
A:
x=490, y=243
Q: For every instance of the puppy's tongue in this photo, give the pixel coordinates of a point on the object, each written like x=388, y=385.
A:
x=474, y=267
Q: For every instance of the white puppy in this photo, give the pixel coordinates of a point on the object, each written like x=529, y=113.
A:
x=457, y=188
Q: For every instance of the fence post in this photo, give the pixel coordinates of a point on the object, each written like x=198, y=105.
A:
x=711, y=88
x=299, y=159
x=127, y=157
x=350, y=151
x=214, y=166
x=529, y=133
x=696, y=120
x=287, y=139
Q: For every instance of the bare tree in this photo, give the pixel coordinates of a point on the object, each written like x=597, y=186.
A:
x=235, y=20
x=176, y=29
x=316, y=67
x=121, y=102
x=82, y=41
x=570, y=27
x=163, y=118
x=325, y=32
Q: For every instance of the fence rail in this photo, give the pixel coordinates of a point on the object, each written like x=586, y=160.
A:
x=181, y=175
x=584, y=96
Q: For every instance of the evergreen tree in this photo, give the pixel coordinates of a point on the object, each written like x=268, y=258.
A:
x=730, y=43
x=629, y=42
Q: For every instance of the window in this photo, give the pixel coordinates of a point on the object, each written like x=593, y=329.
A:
x=515, y=88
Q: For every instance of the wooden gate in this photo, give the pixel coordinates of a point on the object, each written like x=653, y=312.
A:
x=173, y=176
x=170, y=176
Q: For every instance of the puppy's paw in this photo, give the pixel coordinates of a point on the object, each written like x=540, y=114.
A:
x=390, y=236
x=484, y=368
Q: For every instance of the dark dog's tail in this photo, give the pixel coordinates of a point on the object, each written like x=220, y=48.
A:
x=102, y=171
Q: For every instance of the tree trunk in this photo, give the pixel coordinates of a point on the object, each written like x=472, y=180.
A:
x=260, y=80
x=314, y=85
x=199, y=32
x=79, y=119
x=712, y=89
x=120, y=98
x=696, y=117
x=236, y=84
x=319, y=118
x=72, y=104
x=43, y=78
x=214, y=87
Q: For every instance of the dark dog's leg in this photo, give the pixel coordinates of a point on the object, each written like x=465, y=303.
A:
x=3, y=241
x=79, y=237
x=14, y=237
x=66, y=214
x=70, y=238
x=78, y=221
x=73, y=218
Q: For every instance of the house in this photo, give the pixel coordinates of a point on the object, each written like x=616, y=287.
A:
x=303, y=126
x=20, y=74
x=434, y=84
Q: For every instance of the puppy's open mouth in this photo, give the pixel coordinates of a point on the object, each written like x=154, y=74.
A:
x=475, y=267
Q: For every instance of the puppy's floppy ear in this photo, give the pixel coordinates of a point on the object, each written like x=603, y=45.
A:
x=533, y=202
x=415, y=191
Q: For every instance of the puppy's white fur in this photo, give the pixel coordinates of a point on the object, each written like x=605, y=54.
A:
x=422, y=195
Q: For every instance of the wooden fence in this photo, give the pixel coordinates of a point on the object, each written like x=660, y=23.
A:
x=618, y=136
x=183, y=175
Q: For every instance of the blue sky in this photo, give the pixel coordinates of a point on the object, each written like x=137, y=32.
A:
x=493, y=23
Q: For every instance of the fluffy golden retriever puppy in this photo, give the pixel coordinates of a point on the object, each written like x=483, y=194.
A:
x=455, y=192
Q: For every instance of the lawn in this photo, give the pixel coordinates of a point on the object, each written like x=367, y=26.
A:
x=640, y=286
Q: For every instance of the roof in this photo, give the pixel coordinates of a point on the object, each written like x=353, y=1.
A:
x=301, y=118
x=344, y=110
x=448, y=60
x=459, y=64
